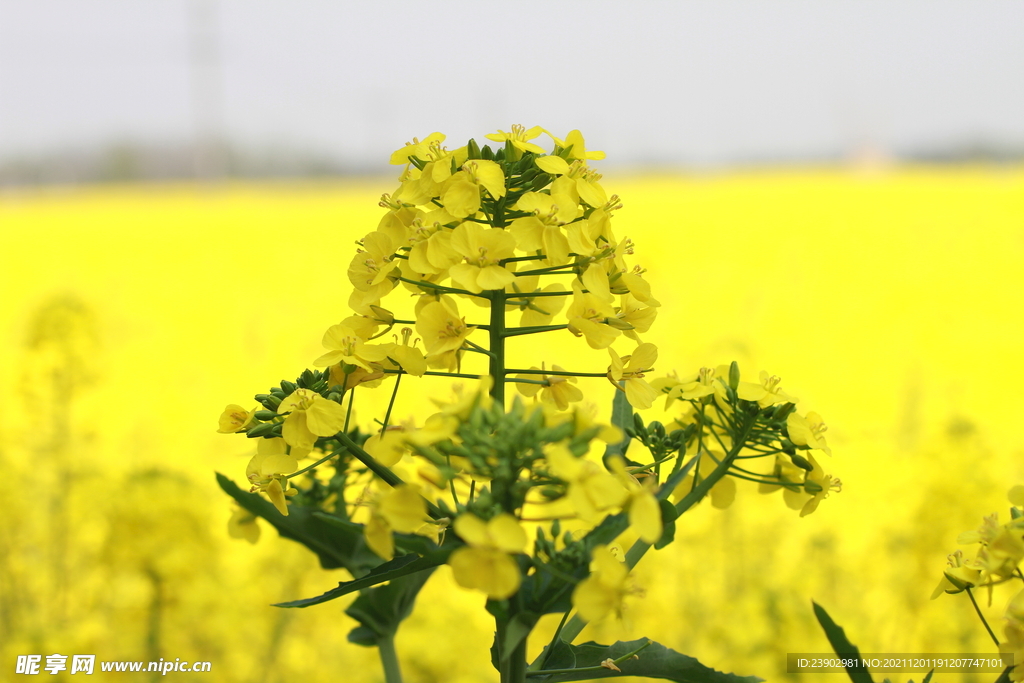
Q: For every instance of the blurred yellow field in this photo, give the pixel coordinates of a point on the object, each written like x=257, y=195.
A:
x=889, y=302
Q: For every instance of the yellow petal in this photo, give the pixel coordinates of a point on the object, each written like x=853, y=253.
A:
x=378, y=537
x=472, y=529
x=325, y=417
x=645, y=517
x=295, y=431
x=506, y=534
x=411, y=360
x=552, y=164
x=494, y=277
x=404, y=508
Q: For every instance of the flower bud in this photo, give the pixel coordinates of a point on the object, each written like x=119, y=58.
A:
x=265, y=415
x=734, y=375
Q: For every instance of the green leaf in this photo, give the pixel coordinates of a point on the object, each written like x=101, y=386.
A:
x=654, y=661
x=403, y=565
x=381, y=609
x=841, y=644
x=928, y=677
x=668, y=520
x=622, y=417
x=410, y=543
x=336, y=546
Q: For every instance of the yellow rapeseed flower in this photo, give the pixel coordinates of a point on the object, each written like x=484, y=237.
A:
x=310, y=415
x=603, y=591
x=234, y=418
x=482, y=248
x=487, y=563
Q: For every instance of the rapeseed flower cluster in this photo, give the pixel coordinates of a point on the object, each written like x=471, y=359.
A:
x=525, y=235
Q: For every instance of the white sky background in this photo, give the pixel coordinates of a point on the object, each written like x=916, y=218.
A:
x=652, y=81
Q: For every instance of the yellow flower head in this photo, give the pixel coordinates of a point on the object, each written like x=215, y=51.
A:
x=807, y=431
x=235, y=418
x=766, y=393
x=592, y=489
x=400, y=509
x=588, y=317
x=243, y=525
x=310, y=415
x=441, y=328
x=631, y=369
x=267, y=469
x=345, y=346
x=482, y=249
x=520, y=137
x=559, y=390
x=486, y=564
x=603, y=591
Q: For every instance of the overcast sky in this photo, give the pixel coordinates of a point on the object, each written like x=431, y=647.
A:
x=664, y=81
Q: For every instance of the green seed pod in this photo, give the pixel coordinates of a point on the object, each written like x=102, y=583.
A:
x=265, y=429
x=801, y=462
x=783, y=411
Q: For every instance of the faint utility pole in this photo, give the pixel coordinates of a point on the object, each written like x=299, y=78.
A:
x=207, y=89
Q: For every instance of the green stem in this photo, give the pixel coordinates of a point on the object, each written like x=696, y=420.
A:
x=522, y=258
x=389, y=659
x=560, y=373
x=497, y=346
x=511, y=665
x=551, y=270
x=982, y=617
x=308, y=468
x=539, y=662
x=348, y=413
x=534, y=329
x=536, y=294
x=478, y=348
x=435, y=374
x=440, y=288
x=389, y=477
x=391, y=404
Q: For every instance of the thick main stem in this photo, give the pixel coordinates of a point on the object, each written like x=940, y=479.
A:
x=511, y=664
x=497, y=345
x=389, y=659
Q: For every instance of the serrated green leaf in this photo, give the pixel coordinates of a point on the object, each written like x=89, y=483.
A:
x=335, y=546
x=841, y=645
x=403, y=565
x=654, y=661
x=382, y=608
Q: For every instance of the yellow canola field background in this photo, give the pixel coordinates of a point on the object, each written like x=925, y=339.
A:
x=888, y=302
